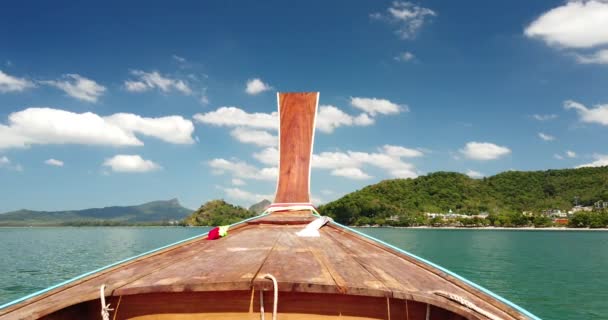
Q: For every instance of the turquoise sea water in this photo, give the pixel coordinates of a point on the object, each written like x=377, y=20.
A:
x=553, y=274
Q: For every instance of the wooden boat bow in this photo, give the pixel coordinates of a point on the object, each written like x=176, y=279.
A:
x=340, y=274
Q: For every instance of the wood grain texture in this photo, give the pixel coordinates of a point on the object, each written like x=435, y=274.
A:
x=337, y=266
x=229, y=263
x=297, y=112
x=232, y=305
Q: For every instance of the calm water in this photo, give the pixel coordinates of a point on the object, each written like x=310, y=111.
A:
x=554, y=274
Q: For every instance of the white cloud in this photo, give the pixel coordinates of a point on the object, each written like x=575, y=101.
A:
x=243, y=195
x=238, y=182
x=546, y=137
x=599, y=57
x=233, y=117
x=330, y=118
x=600, y=161
x=484, y=151
x=405, y=56
x=79, y=87
x=574, y=24
x=54, y=126
x=474, y=174
x=4, y=161
x=363, y=120
x=374, y=106
x=136, y=86
x=598, y=114
x=145, y=81
x=388, y=158
x=257, y=137
x=54, y=162
x=351, y=173
x=558, y=156
x=130, y=163
x=256, y=86
x=243, y=170
x=172, y=129
x=333, y=160
x=544, y=117
x=268, y=156
x=10, y=83
x=570, y=154
x=392, y=164
x=406, y=16
x=178, y=58
x=399, y=151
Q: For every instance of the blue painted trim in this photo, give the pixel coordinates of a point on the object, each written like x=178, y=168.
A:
x=442, y=269
x=8, y=304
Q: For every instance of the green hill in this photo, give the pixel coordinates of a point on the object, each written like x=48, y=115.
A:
x=504, y=193
x=217, y=213
x=155, y=212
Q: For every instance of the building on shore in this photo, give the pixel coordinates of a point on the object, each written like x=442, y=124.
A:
x=580, y=208
x=601, y=204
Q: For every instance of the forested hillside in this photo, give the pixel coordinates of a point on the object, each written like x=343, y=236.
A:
x=217, y=213
x=503, y=194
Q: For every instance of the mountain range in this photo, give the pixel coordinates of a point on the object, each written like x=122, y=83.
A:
x=155, y=212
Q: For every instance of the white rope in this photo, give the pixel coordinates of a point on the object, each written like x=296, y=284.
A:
x=292, y=206
x=312, y=229
x=276, y=298
x=105, y=309
x=468, y=304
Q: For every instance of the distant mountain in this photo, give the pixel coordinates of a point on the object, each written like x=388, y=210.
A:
x=260, y=206
x=155, y=212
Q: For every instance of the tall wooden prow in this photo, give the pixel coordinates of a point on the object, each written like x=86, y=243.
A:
x=297, y=114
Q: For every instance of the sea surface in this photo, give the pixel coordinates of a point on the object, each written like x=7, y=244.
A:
x=553, y=274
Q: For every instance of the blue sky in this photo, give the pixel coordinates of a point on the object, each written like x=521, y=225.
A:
x=126, y=103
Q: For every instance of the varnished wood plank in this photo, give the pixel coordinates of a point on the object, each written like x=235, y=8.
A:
x=295, y=266
x=297, y=112
x=460, y=286
x=229, y=263
x=414, y=310
x=230, y=305
x=186, y=305
x=349, y=276
x=407, y=280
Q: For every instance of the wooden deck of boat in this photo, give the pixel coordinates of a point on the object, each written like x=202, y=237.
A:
x=338, y=262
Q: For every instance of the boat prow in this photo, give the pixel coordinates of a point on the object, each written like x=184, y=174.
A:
x=267, y=267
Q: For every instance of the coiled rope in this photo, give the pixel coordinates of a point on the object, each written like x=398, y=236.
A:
x=105, y=309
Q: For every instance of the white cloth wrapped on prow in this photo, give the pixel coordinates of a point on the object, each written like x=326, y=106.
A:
x=312, y=229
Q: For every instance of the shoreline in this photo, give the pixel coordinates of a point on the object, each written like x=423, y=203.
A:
x=370, y=227
x=490, y=228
